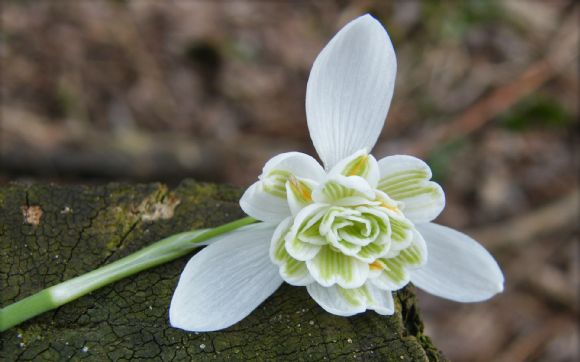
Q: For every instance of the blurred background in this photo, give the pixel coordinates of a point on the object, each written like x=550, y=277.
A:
x=487, y=93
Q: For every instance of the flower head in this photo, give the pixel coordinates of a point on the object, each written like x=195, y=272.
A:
x=351, y=231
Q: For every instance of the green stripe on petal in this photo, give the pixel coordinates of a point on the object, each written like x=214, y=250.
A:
x=369, y=297
x=331, y=267
x=335, y=191
x=401, y=232
x=357, y=167
x=274, y=182
x=395, y=273
x=416, y=254
x=299, y=249
x=347, y=302
x=293, y=271
x=359, y=164
x=402, y=179
x=341, y=188
x=373, y=251
x=357, y=296
x=299, y=193
x=406, y=179
x=393, y=277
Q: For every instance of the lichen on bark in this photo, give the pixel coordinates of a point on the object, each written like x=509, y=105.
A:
x=84, y=227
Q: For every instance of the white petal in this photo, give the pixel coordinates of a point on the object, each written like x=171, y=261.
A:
x=458, y=267
x=406, y=178
x=264, y=206
x=382, y=302
x=226, y=281
x=347, y=302
x=298, y=164
x=330, y=299
x=350, y=89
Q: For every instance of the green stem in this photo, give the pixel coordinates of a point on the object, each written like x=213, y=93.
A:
x=158, y=253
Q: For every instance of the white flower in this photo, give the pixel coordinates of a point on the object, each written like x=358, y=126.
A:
x=352, y=232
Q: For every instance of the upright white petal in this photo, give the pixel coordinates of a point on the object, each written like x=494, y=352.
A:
x=350, y=89
x=226, y=281
x=458, y=267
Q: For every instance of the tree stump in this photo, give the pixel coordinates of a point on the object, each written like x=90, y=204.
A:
x=50, y=233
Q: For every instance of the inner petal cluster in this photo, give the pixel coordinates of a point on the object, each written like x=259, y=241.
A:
x=342, y=234
x=343, y=231
x=347, y=234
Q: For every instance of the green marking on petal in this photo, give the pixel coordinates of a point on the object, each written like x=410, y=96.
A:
x=274, y=182
x=300, y=189
x=407, y=184
x=357, y=167
x=399, y=230
x=429, y=188
x=423, y=199
x=301, y=250
x=353, y=248
x=372, y=251
x=394, y=273
x=394, y=269
x=412, y=256
x=356, y=296
x=280, y=253
x=293, y=271
x=335, y=191
x=312, y=235
x=402, y=178
x=331, y=267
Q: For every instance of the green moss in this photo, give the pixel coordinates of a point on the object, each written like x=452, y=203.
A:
x=536, y=111
x=441, y=158
x=84, y=227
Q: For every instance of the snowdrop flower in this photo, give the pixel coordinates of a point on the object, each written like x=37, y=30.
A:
x=351, y=232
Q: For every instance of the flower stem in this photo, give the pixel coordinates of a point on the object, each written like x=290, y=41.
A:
x=158, y=253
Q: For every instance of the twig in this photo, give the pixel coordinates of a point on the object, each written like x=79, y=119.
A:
x=561, y=54
x=521, y=230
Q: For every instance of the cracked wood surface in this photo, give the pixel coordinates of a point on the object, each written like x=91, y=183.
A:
x=50, y=233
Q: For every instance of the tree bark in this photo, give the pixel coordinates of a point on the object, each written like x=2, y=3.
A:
x=51, y=233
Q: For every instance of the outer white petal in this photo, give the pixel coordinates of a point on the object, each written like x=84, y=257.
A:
x=226, y=281
x=333, y=300
x=264, y=206
x=297, y=163
x=406, y=178
x=350, y=89
x=458, y=267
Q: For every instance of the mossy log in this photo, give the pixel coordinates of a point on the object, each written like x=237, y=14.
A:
x=50, y=233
